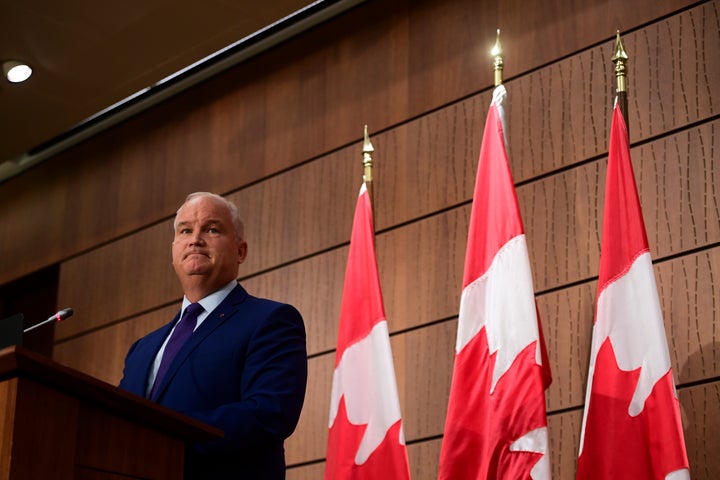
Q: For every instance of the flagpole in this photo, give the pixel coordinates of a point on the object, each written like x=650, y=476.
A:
x=498, y=62
x=367, y=151
x=620, y=58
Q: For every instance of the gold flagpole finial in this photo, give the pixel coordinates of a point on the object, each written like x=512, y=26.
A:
x=367, y=158
x=367, y=152
x=620, y=58
x=498, y=61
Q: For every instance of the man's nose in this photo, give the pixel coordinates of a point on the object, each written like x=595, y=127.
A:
x=197, y=238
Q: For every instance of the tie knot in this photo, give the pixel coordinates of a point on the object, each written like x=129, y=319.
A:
x=193, y=310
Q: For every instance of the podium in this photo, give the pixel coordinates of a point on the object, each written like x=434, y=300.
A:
x=58, y=423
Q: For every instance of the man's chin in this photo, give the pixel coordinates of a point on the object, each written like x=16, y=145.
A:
x=194, y=272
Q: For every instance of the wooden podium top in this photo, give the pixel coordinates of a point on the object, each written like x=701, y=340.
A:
x=20, y=362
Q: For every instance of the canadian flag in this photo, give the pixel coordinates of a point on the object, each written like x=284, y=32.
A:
x=631, y=424
x=496, y=425
x=366, y=439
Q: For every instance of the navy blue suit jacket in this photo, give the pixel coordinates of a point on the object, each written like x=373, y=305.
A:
x=243, y=370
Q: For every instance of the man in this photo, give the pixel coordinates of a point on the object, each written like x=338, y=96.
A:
x=243, y=368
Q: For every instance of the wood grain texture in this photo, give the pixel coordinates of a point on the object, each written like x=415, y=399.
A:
x=689, y=298
x=309, y=441
x=140, y=451
x=42, y=416
x=675, y=172
x=564, y=441
x=700, y=408
x=8, y=399
x=690, y=321
x=567, y=317
x=101, y=353
x=118, y=280
x=562, y=215
x=389, y=62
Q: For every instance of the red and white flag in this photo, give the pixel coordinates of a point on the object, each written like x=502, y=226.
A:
x=366, y=438
x=631, y=423
x=496, y=425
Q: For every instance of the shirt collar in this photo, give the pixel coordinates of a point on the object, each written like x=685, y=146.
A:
x=211, y=302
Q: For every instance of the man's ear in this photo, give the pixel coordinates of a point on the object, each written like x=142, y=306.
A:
x=242, y=252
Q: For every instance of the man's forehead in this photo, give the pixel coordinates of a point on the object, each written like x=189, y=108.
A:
x=199, y=219
x=207, y=213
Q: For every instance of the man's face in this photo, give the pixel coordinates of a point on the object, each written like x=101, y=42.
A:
x=205, y=244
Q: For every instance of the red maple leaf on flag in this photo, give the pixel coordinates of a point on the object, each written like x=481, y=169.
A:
x=612, y=393
x=479, y=449
x=344, y=441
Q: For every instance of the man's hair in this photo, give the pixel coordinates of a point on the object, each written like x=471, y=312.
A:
x=238, y=225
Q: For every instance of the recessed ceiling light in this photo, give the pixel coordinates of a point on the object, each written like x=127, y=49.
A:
x=16, y=72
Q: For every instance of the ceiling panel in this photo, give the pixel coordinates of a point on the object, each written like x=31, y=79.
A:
x=89, y=55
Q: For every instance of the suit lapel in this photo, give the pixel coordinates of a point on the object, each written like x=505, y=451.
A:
x=217, y=317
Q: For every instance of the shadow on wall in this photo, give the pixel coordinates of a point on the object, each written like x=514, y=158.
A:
x=700, y=410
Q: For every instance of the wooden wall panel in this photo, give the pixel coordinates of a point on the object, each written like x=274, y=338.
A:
x=674, y=77
x=309, y=441
x=677, y=178
x=564, y=440
x=567, y=320
x=424, y=365
x=101, y=353
x=700, y=408
x=563, y=213
x=391, y=62
x=314, y=287
x=424, y=459
x=313, y=471
x=560, y=114
x=689, y=298
x=690, y=321
x=118, y=280
x=301, y=212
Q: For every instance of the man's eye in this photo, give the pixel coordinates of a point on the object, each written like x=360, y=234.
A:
x=213, y=230
x=185, y=231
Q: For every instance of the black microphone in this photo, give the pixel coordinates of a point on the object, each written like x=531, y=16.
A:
x=61, y=315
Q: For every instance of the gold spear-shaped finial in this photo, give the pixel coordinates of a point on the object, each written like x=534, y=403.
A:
x=367, y=151
x=498, y=61
x=619, y=58
x=367, y=158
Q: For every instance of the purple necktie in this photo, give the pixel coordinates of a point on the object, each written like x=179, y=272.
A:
x=182, y=332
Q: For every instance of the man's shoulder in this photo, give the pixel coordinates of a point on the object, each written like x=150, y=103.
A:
x=269, y=305
x=260, y=308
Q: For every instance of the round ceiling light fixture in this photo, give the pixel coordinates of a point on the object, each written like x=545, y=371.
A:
x=16, y=72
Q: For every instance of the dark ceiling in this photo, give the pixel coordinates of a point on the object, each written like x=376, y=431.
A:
x=90, y=56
